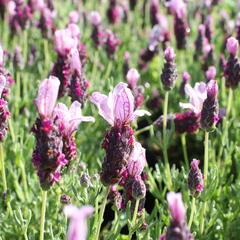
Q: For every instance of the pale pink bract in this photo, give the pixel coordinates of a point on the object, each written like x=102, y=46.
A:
x=176, y=206
x=196, y=95
x=118, y=106
x=78, y=221
x=133, y=77
x=70, y=118
x=137, y=160
x=95, y=18
x=47, y=96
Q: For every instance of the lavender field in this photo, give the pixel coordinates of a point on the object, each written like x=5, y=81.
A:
x=119, y=120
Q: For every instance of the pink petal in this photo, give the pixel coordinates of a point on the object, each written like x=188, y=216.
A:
x=104, y=105
x=1, y=56
x=176, y=206
x=2, y=84
x=123, y=101
x=78, y=226
x=137, y=160
x=133, y=77
x=75, y=61
x=140, y=113
x=47, y=96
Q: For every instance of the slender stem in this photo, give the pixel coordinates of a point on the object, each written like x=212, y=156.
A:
x=134, y=219
x=145, y=129
x=202, y=217
x=192, y=212
x=165, y=143
x=25, y=236
x=4, y=181
x=184, y=148
x=205, y=173
x=225, y=123
x=100, y=219
x=43, y=212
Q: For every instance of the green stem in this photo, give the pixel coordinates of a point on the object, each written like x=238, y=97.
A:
x=134, y=219
x=4, y=181
x=192, y=212
x=25, y=236
x=184, y=147
x=43, y=212
x=100, y=219
x=205, y=173
x=202, y=217
x=225, y=124
x=165, y=143
x=145, y=129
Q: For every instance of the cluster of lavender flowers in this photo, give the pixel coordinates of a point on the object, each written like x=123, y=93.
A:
x=55, y=146
x=124, y=158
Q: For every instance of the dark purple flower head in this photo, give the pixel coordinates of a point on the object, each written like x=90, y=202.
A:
x=154, y=10
x=114, y=12
x=209, y=113
x=169, y=72
x=195, y=178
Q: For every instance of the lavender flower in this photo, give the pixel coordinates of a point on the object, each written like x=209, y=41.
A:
x=181, y=29
x=114, y=12
x=96, y=32
x=154, y=10
x=195, y=178
x=111, y=43
x=118, y=110
x=209, y=113
x=133, y=78
x=55, y=145
x=185, y=80
x=232, y=69
x=133, y=4
x=178, y=228
x=169, y=72
x=78, y=224
x=78, y=83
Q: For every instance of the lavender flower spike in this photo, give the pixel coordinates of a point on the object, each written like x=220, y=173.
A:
x=178, y=229
x=78, y=224
x=118, y=110
x=210, y=73
x=169, y=73
x=195, y=178
x=209, y=113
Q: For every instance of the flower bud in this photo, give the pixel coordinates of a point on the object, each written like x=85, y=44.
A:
x=85, y=180
x=169, y=73
x=65, y=199
x=195, y=178
x=138, y=188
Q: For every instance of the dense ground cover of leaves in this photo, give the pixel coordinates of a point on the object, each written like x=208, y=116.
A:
x=222, y=194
